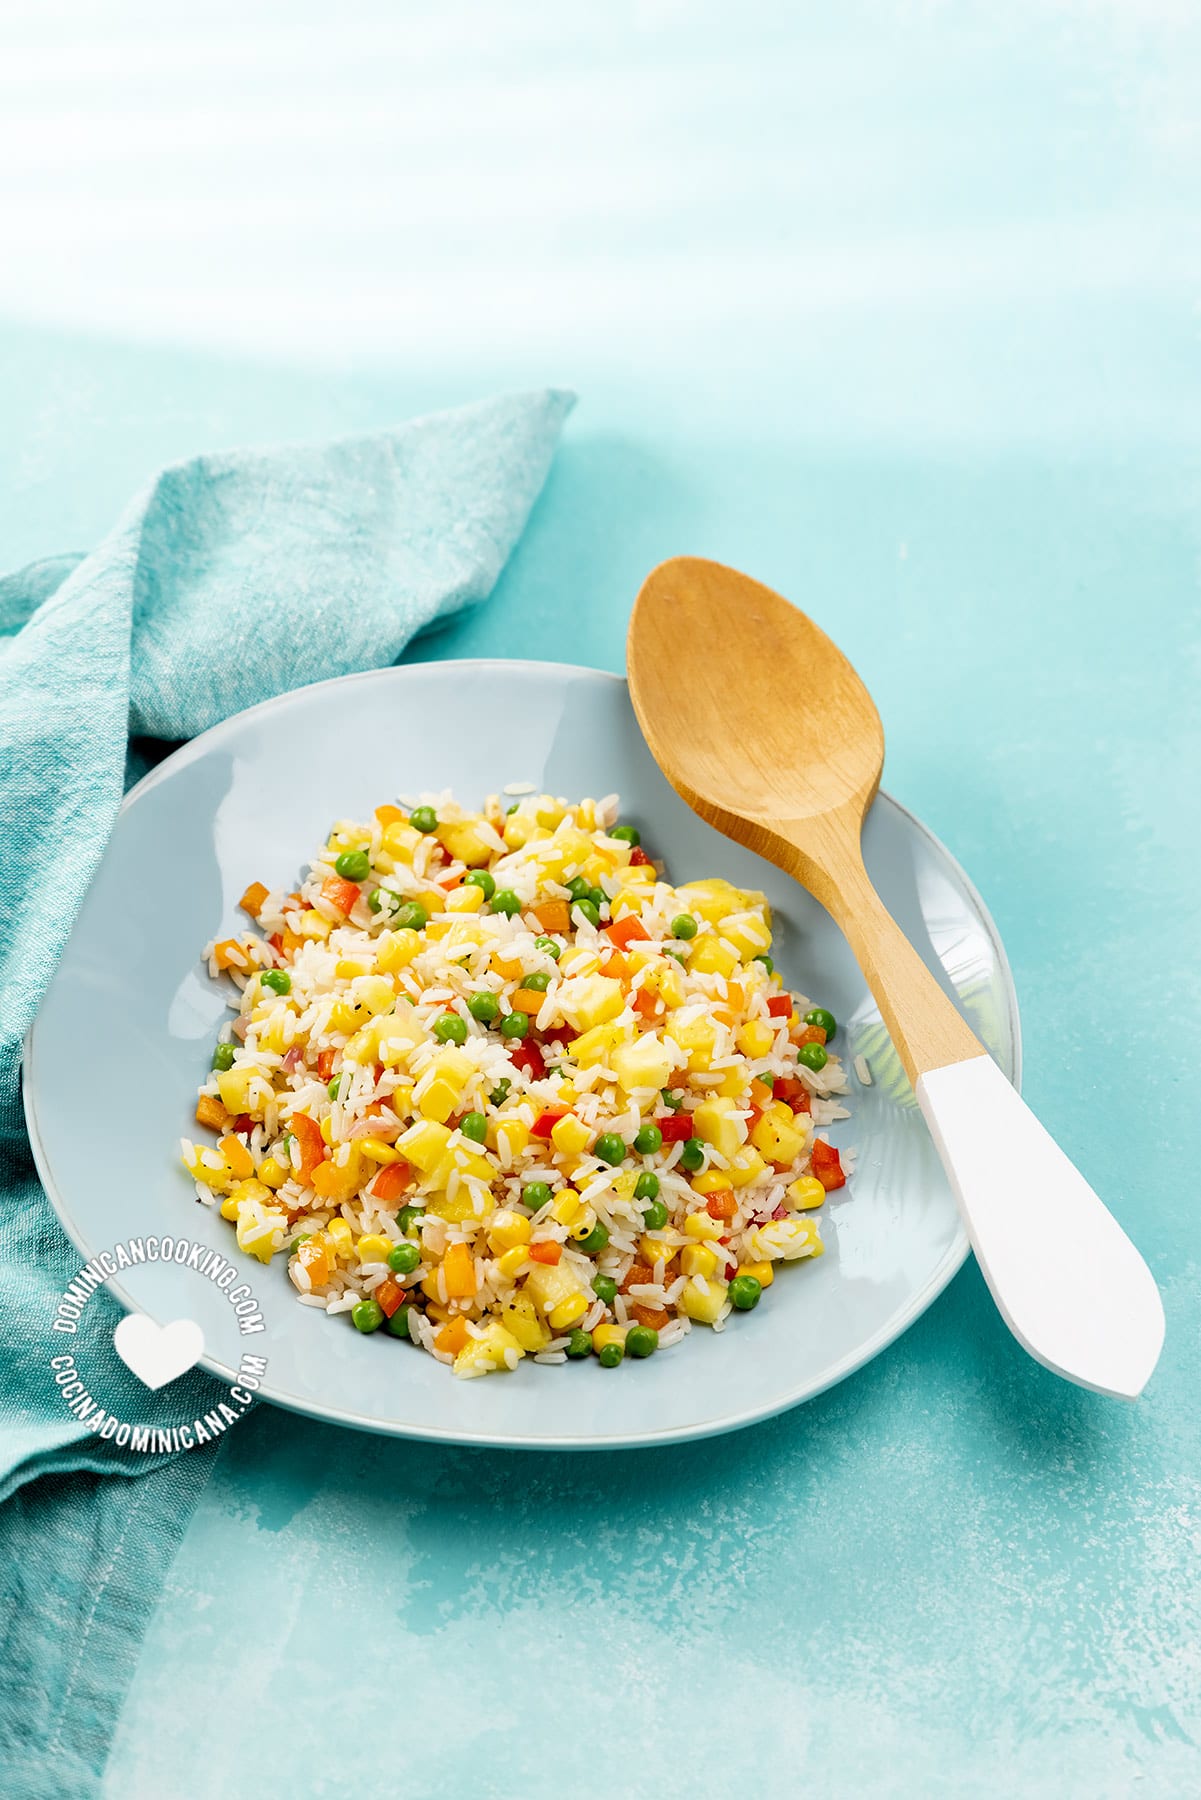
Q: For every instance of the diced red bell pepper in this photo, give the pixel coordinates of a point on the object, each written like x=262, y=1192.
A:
x=393, y=1180
x=390, y=1295
x=529, y=1059
x=779, y=1005
x=722, y=1204
x=325, y=1064
x=546, y=1121
x=812, y=1034
x=638, y=857
x=307, y=1133
x=243, y=1125
x=676, y=1127
x=624, y=931
x=794, y=1093
x=781, y=1212
x=827, y=1166
x=276, y=942
x=645, y=1004
x=343, y=895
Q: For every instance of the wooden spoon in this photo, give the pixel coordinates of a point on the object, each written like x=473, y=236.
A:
x=764, y=728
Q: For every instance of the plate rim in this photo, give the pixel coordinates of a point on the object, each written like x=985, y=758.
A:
x=893, y=1328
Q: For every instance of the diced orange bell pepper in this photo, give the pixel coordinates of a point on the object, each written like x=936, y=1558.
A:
x=528, y=1000
x=722, y=1204
x=211, y=1114
x=325, y=1064
x=389, y=815
x=638, y=1274
x=307, y=1133
x=252, y=899
x=241, y=1163
x=459, y=1267
x=342, y=895
x=645, y=1004
x=553, y=915
x=393, y=1180
x=314, y=1259
x=508, y=971
x=546, y=1250
x=337, y=1181
x=616, y=967
x=794, y=1093
x=761, y=1093
x=223, y=958
x=624, y=931
x=654, y=1316
x=812, y=1034
x=390, y=1295
x=452, y=1337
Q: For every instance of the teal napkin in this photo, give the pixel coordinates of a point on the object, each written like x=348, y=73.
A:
x=231, y=578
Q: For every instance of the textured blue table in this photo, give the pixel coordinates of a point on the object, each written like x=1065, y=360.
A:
x=898, y=313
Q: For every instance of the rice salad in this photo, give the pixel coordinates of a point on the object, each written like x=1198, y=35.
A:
x=495, y=1086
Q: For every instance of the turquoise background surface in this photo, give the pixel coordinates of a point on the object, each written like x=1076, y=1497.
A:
x=894, y=306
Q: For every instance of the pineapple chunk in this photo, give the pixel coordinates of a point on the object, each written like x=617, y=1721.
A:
x=480, y=1356
x=438, y=1100
x=590, y=1000
x=464, y=842
x=713, y=900
x=717, y=1123
x=522, y=1320
x=398, y=842
x=234, y=1088
x=703, y=1298
x=756, y=1038
x=749, y=933
x=595, y=1045
x=258, y=1225
x=424, y=1144
x=745, y=1167
x=550, y=1284
x=642, y=1064
x=777, y=1136
x=697, y=1038
x=397, y=950
x=785, y=1240
x=711, y=957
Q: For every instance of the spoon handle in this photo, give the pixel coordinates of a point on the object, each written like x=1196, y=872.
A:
x=1065, y=1277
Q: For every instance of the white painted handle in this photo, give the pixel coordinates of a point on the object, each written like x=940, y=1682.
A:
x=1067, y=1280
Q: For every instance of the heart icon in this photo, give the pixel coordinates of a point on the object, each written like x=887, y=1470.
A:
x=157, y=1354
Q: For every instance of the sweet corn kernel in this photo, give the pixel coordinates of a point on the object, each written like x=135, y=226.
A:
x=327, y=1128
x=583, y=1226
x=513, y=1262
x=229, y=1206
x=755, y=1038
x=608, y=1334
x=512, y=1135
x=271, y=1173
x=698, y=1259
x=807, y=1191
x=465, y=900
x=762, y=1271
x=349, y=967
x=570, y=1135
x=508, y=1229
x=567, y=1313
x=340, y=1236
x=378, y=1151
x=373, y=1248
x=568, y=1207
x=700, y=1225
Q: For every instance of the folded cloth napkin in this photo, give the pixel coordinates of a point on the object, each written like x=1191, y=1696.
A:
x=230, y=579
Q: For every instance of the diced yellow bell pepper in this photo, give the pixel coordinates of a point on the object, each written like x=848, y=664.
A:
x=755, y=1038
x=711, y=957
x=806, y=1192
x=424, y=1144
x=702, y=1299
x=642, y=1064
x=716, y=1122
x=570, y=1136
x=698, y=1259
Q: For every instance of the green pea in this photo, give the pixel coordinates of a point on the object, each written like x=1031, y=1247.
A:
x=589, y=910
x=548, y=947
x=745, y=1292
x=506, y=902
x=510, y=810
x=353, y=865
x=655, y=1216
x=537, y=983
x=500, y=1092
x=579, y=1344
x=278, y=980
x=610, y=1148
x=368, y=1315
x=598, y=897
x=514, y=1025
x=578, y=888
x=767, y=962
x=223, y=1058
x=595, y=1242
x=334, y=1087
x=673, y=1102
x=483, y=1007
x=675, y=956
x=412, y=916
x=536, y=1195
x=398, y=1324
x=627, y=834
x=404, y=1259
x=813, y=1056
x=642, y=1340
x=285, y=1146
x=383, y=900
x=294, y=1246
x=450, y=1029
x=767, y=1078
x=692, y=1154
x=605, y=1288
x=423, y=818
x=407, y=1215
x=683, y=926
x=474, y=1125
x=817, y=1015
x=610, y=1356
x=480, y=878
x=647, y=1185
x=648, y=1140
